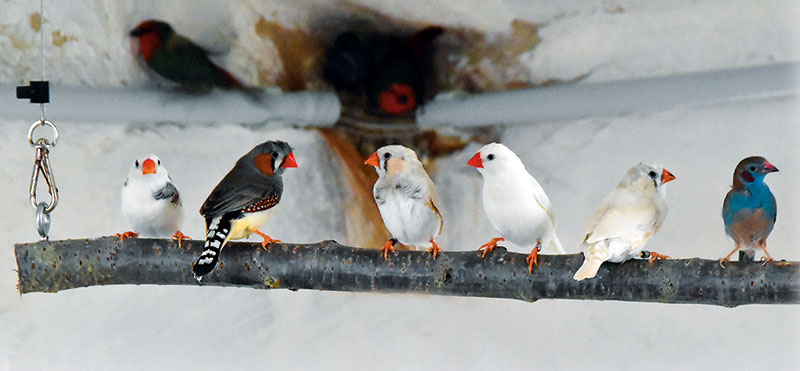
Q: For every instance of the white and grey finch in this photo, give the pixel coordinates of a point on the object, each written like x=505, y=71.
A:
x=515, y=203
x=150, y=201
x=627, y=219
x=240, y=204
x=406, y=199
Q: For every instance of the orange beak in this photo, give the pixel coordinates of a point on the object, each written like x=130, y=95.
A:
x=476, y=161
x=289, y=161
x=148, y=167
x=666, y=177
x=373, y=160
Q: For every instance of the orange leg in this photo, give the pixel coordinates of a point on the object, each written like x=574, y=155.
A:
x=129, y=234
x=763, y=246
x=434, y=249
x=388, y=246
x=180, y=236
x=489, y=246
x=533, y=258
x=651, y=256
x=724, y=260
x=267, y=239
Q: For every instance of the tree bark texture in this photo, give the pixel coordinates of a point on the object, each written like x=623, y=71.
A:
x=51, y=266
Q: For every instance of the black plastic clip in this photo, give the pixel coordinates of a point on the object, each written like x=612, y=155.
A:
x=37, y=92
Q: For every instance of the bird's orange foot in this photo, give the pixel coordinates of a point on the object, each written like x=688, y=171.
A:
x=489, y=246
x=766, y=260
x=434, y=249
x=180, y=237
x=722, y=262
x=651, y=256
x=388, y=246
x=533, y=258
x=267, y=239
x=129, y=234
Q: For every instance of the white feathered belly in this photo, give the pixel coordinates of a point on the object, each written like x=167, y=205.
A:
x=409, y=221
x=151, y=218
x=521, y=225
x=615, y=250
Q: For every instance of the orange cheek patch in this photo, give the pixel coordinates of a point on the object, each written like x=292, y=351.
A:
x=263, y=163
x=395, y=164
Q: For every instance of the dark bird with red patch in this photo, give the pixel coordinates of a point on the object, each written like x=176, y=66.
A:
x=179, y=60
x=391, y=70
x=240, y=204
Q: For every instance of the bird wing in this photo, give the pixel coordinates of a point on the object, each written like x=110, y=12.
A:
x=237, y=190
x=542, y=199
x=169, y=191
x=622, y=220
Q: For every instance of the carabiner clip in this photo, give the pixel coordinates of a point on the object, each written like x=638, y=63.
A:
x=41, y=166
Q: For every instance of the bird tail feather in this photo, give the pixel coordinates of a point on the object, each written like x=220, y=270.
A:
x=588, y=269
x=594, y=256
x=218, y=230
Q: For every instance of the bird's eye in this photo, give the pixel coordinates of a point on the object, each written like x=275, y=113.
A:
x=387, y=155
x=274, y=154
x=752, y=168
x=652, y=174
x=490, y=157
x=159, y=162
x=136, y=163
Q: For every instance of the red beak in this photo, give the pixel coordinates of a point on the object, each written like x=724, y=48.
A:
x=666, y=177
x=148, y=167
x=289, y=161
x=373, y=160
x=769, y=168
x=476, y=161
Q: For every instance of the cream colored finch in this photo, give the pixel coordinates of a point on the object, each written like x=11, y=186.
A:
x=628, y=217
x=515, y=203
x=406, y=199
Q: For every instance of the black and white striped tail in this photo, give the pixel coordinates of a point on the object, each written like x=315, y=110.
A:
x=218, y=229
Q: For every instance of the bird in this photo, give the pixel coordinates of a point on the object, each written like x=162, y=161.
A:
x=150, y=201
x=242, y=201
x=181, y=61
x=750, y=210
x=406, y=199
x=515, y=203
x=391, y=70
x=628, y=217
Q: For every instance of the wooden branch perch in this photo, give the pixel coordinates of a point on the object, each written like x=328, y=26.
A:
x=52, y=266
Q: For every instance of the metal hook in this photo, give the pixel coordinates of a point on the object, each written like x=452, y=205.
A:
x=41, y=166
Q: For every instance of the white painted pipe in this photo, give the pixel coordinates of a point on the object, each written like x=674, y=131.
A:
x=70, y=103
x=613, y=98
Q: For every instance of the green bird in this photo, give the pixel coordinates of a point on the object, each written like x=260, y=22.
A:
x=178, y=59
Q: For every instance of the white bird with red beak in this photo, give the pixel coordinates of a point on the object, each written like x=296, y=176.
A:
x=627, y=219
x=515, y=203
x=150, y=201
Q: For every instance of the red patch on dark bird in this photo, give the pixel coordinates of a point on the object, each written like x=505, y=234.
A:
x=263, y=163
x=262, y=205
x=149, y=39
x=397, y=99
x=228, y=78
x=747, y=176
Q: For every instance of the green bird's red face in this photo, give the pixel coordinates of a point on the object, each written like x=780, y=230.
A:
x=151, y=35
x=397, y=99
